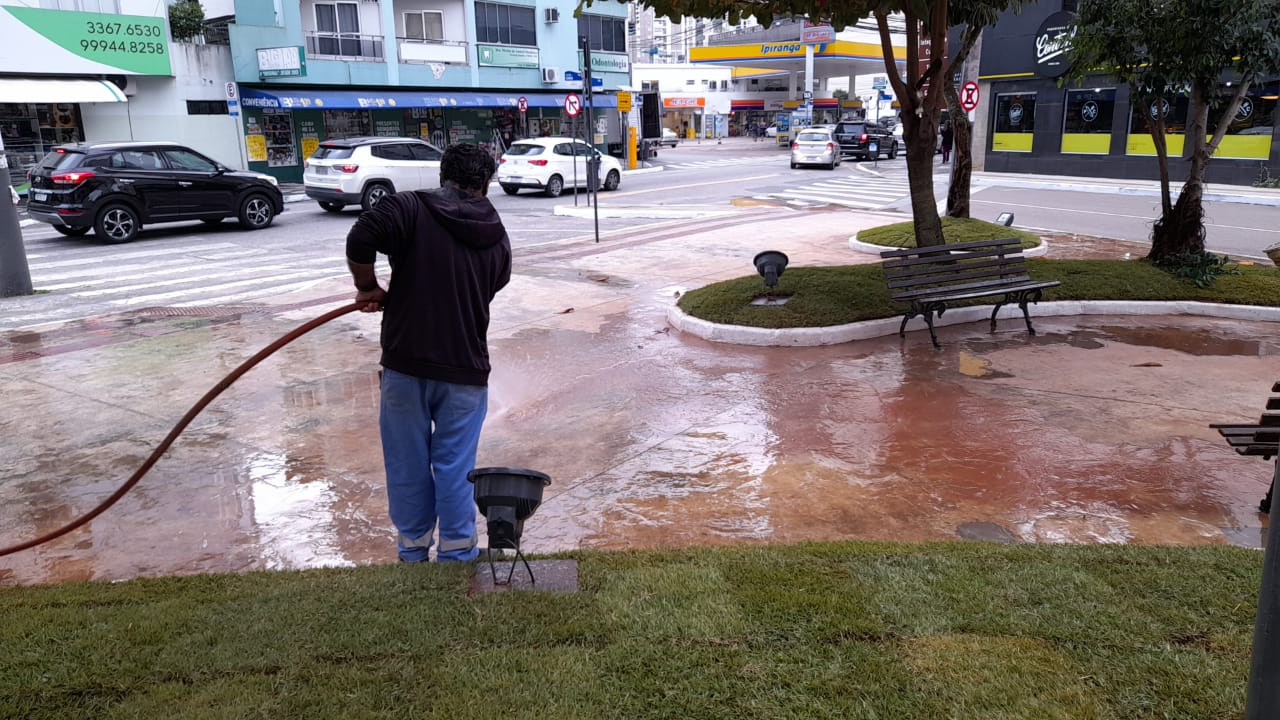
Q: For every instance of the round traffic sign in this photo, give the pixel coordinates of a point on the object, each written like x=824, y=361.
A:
x=522, y=104
x=969, y=96
x=572, y=105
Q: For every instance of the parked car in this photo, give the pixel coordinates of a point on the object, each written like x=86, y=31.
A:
x=857, y=138
x=363, y=170
x=116, y=188
x=815, y=146
x=772, y=130
x=669, y=137
x=937, y=141
x=550, y=163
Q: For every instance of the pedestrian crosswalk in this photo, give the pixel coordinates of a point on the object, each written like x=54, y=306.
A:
x=854, y=191
x=718, y=162
x=78, y=278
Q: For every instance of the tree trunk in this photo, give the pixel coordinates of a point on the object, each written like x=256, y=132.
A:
x=1180, y=229
x=920, y=134
x=959, y=190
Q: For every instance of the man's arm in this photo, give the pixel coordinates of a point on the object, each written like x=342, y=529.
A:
x=368, y=291
x=378, y=230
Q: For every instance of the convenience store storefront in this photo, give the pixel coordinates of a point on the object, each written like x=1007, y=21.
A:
x=283, y=127
x=1094, y=129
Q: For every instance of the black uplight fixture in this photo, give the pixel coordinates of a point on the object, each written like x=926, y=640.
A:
x=770, y=264
x=1005, y=219
x=507, y=497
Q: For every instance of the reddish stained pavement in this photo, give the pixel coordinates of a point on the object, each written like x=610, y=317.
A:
x=1095, y=430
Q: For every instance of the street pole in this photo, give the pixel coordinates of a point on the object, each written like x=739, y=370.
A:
x=1263, y=700
x=15, y=276
x=593, y=163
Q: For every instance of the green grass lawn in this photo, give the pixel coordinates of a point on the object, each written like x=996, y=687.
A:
x=821, y=630
x=954, y=230
x=822, y=296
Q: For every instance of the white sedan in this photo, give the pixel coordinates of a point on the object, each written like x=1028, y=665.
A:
x=550, y=164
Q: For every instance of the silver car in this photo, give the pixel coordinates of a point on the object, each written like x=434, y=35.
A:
x=815, y=146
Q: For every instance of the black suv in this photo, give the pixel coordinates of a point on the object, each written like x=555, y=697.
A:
x=856, y=138
x=115, y=188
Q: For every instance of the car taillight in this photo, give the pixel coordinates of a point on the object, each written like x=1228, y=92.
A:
x=501, y=160
x=831, y=146
x=71, y=178
x=795, y=144
x=348, y=168
x=864, y=137
x=539, y=163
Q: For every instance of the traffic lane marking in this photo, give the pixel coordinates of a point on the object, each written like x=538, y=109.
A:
x=1122, y=215
x=692, y=185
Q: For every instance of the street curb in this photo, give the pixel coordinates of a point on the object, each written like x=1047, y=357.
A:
x=656, y=212
x=868, y=329
x=27, y=223
x=987, y=181
x=643, y=171
x=870, y=249
x=295, y=198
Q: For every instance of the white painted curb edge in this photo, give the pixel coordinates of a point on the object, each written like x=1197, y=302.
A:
x=836, y=334
x=658, y=212
x=870, y=249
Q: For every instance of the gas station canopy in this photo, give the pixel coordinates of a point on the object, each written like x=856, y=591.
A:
x=839, y=58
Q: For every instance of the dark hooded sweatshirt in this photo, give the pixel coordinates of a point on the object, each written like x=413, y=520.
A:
x=449, y=256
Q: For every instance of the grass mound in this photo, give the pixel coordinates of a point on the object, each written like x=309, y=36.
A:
x=824, y=296
x=820, y=630
x=954, y=230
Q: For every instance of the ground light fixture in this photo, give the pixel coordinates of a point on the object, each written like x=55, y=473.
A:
x=1005, y=219
x=507, y=497
x=770, y=264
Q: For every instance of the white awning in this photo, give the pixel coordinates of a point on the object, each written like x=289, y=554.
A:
x=26, y=90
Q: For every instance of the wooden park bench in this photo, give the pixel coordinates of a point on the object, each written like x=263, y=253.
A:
x=929, y=278
x=1261, y=439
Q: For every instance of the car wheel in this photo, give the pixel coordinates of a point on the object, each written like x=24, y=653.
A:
x=555, y=186
x=256, y=212
x=373, y=194
x=612, y=180
x=893, y=151
x=72, y=231
x=510, y=189
x=117, y=223
x=330, y=206
x=210, y=221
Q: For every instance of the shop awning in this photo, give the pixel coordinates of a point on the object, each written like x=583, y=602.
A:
x=319, y=99
x=26, y=90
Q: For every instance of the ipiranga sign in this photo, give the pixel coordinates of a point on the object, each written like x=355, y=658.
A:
x=80, y=43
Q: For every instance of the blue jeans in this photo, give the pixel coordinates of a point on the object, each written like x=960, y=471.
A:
x=430, y=432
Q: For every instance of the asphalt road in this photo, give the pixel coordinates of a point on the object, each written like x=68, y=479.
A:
x=190, y=264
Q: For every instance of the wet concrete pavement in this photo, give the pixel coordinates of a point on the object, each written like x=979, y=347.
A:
x=1096, y=430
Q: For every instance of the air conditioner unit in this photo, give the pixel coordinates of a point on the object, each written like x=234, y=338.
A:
x=552, y=14
x=127, y=84
x=550, y=75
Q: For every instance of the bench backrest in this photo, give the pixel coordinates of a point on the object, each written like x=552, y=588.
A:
x=959, y=266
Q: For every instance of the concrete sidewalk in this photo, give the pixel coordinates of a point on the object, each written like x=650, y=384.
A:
x=1095, y=430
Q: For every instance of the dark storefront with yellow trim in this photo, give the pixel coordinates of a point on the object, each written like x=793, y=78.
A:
x=1092, y=129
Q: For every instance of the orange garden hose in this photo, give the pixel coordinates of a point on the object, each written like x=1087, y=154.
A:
x=182, y=424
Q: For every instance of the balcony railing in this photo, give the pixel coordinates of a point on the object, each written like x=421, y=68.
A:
x=420, y=51
x=345, y=46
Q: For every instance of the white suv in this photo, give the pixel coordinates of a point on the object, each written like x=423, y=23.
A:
x=363, y=170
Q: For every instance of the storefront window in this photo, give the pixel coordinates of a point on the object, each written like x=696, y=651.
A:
x=347, y=123
x=1086, y=123
x=1142, y=117
x=1015, y=122
x=32, y=129
x=278, y=130
x=1249, y=134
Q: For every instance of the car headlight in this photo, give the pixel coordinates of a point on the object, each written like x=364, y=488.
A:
x=272, y=179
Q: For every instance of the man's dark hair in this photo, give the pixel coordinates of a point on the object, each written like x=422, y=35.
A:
x=468, y=166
